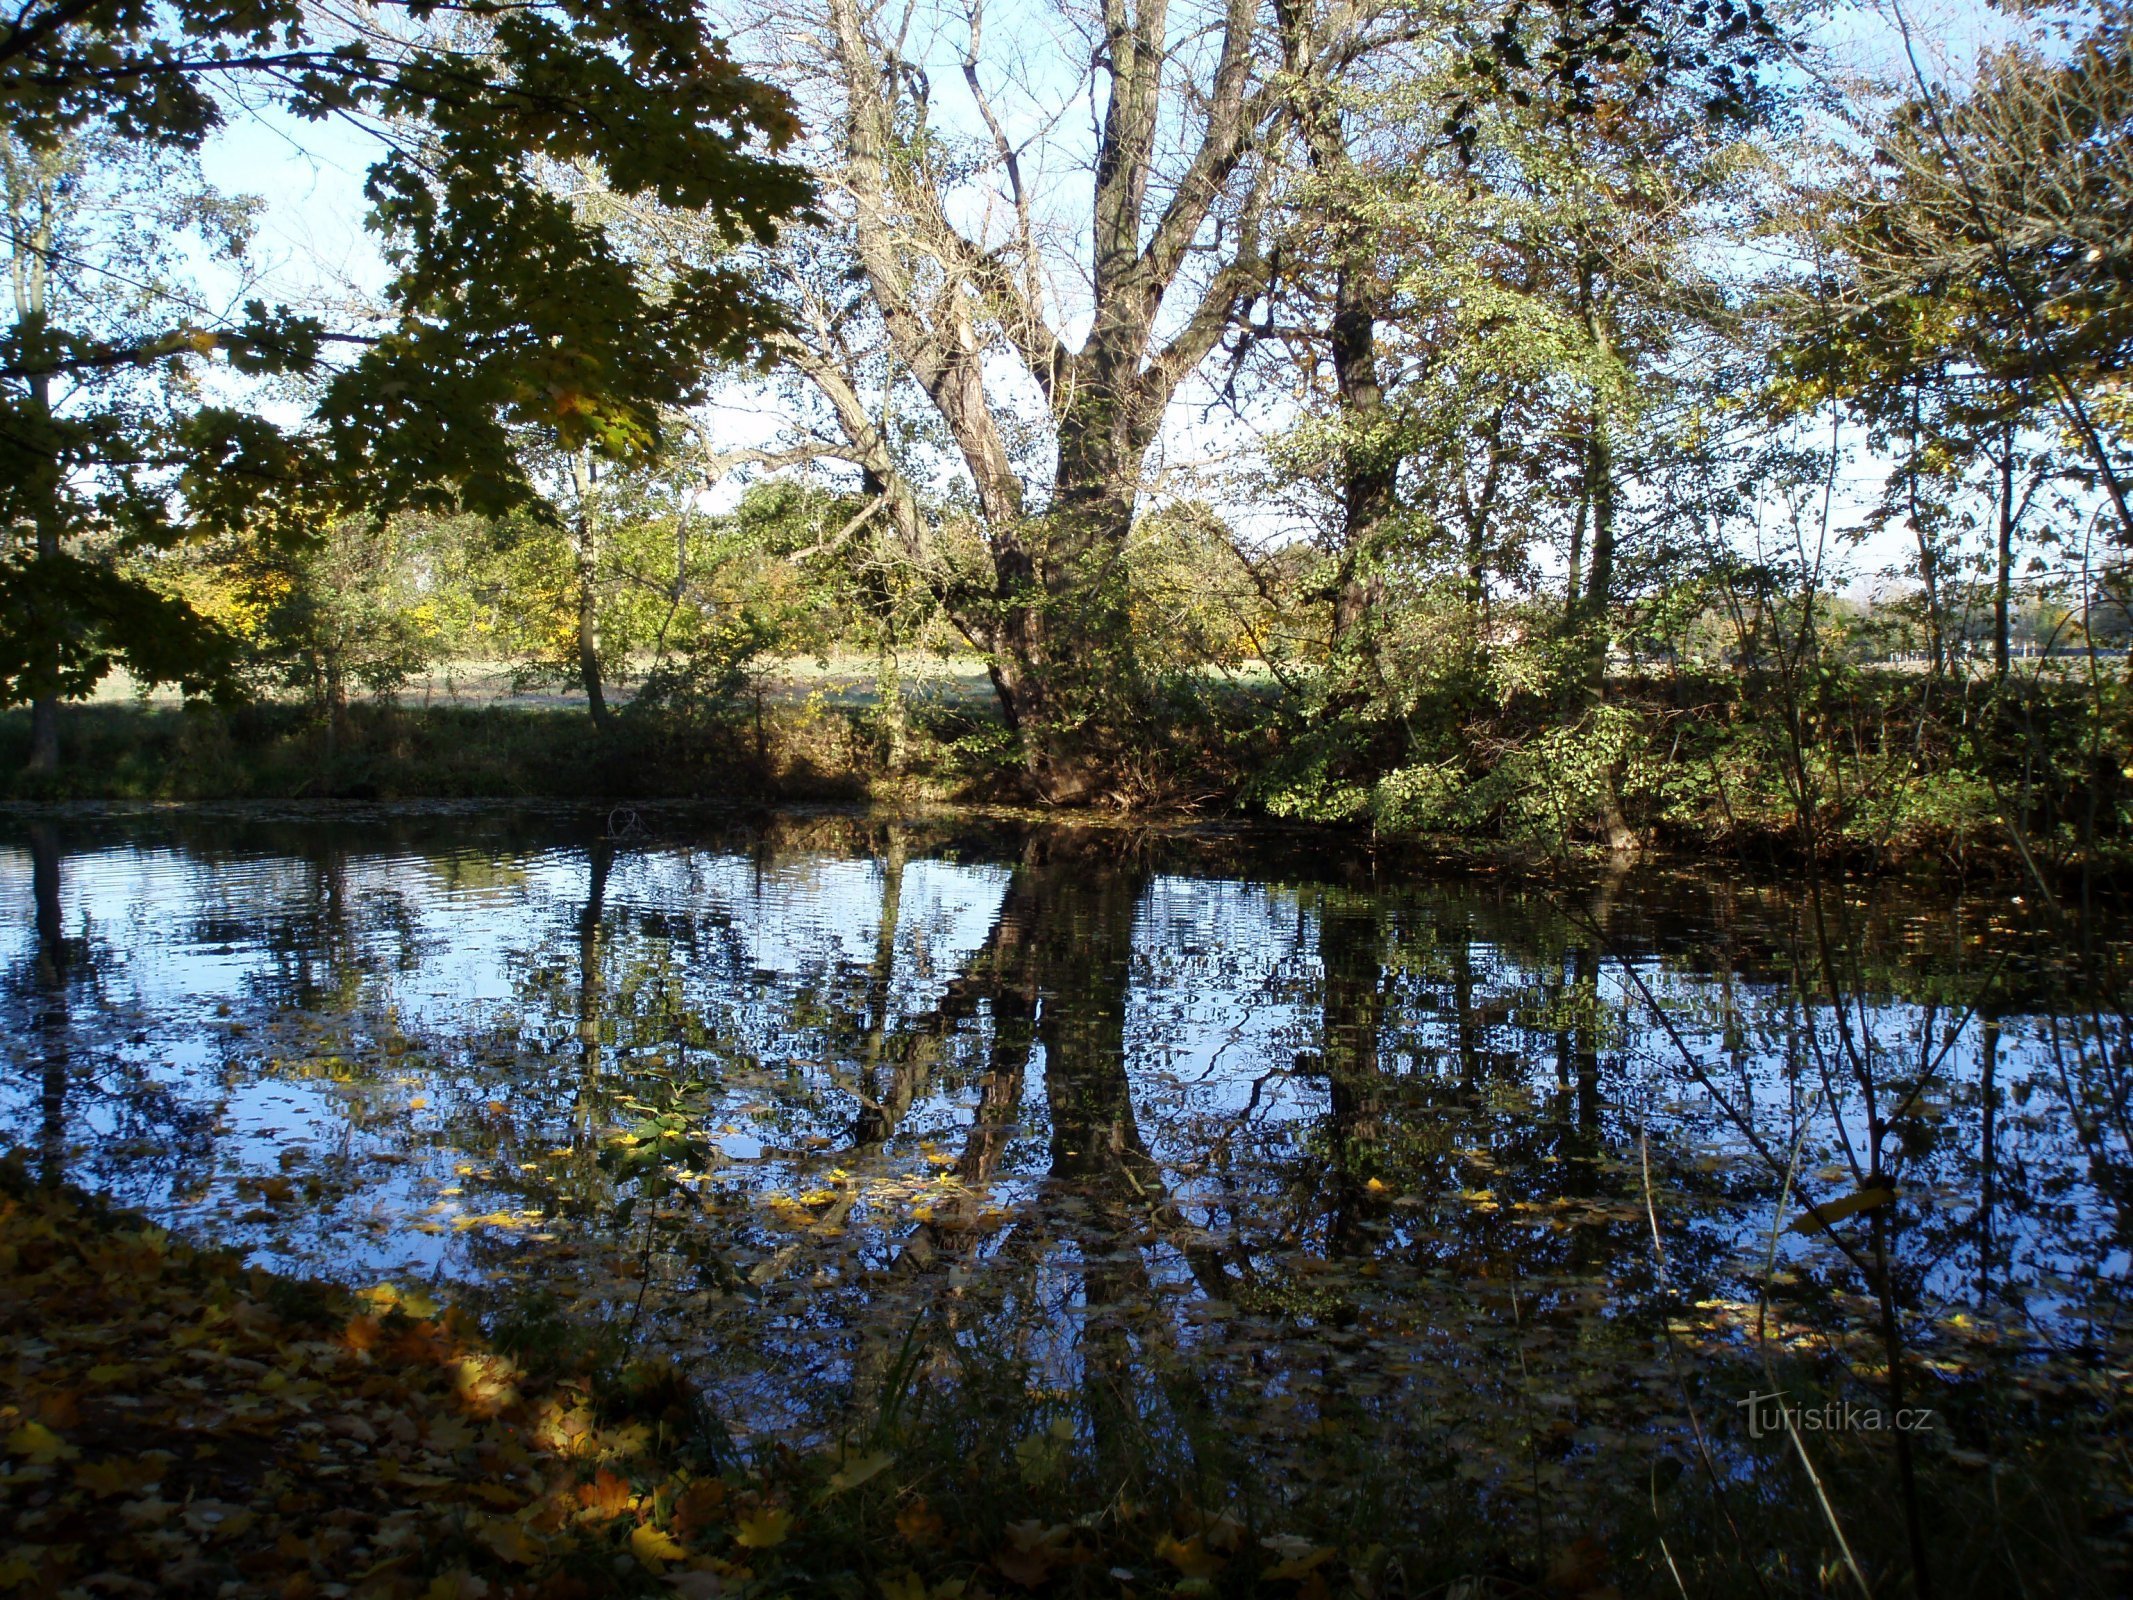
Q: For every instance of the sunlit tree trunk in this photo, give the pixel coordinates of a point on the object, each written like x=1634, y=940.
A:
x=43, y=684
x=585, y=553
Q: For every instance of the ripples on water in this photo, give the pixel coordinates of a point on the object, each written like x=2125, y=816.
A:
x=1113, y=1105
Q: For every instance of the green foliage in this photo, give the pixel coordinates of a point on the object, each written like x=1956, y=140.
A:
x=508, y=307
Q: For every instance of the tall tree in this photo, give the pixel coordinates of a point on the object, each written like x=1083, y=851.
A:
x=507, y=308
x=1047, y=340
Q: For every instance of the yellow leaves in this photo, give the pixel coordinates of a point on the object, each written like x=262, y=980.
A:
x=485, y=1383
x=279, y=1191
x=697, y=1506
x=40, y=1445
x=1042, y=1456
x=509, y=1539
x=653, y=1548
x=1299, y=1557
x=763, y=1529
x=918, y=1524
x=414, y=1303
x=606, y=1496
x=494, y=1219
x=860, y=1469
x=1032, y=1552
x=908, y=1585
x=1832, y=1212
x=121, y=1474
x=1191, y=1556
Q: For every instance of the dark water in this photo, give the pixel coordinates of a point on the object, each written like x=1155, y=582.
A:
x=1307, y=1126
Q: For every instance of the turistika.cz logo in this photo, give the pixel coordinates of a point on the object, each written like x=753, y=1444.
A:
x=1771, y=1413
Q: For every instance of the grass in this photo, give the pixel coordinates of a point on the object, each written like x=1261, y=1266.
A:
x=385, y=752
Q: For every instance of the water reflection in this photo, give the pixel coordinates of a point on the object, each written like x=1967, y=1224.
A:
x=1179, y=1122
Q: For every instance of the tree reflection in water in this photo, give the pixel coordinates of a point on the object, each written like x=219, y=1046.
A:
x=1186, y=1132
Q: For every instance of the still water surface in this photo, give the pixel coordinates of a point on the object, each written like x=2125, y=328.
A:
x=1115, y=1105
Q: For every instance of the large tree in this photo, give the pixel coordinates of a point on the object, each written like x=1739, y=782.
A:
x=1046, y=294
x=507, y=308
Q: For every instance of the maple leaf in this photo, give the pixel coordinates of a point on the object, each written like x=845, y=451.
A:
x=40, y=1444
x=760, y=1530
x=606, y=1496
x=1033, y=1550
x=919, y=1524
x=508, y=1539
x=654, y=1547
x=119, y=1475
x=1191, y=1556
x=697, y=1505
x=859, y=1469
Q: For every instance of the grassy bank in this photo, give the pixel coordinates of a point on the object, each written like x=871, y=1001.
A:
x=1873, y=768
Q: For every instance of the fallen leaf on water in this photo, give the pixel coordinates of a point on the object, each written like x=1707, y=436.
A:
x=1831, y=1212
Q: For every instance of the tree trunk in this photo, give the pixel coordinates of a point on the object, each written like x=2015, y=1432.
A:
x=1066, y=667
x=43, y=676
x=585, y=471
x=2003, y=570
x=1599, y=490
x=1369, y=474
x=336, y=701
x=1600, y=577
x=44, y=733
x=1928, y=556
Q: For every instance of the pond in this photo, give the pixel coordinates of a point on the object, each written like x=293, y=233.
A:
x=1263, y=1124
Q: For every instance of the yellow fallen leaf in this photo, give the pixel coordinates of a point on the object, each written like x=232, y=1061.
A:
x=118, y=1475
x=860, y=1468
x=759, y=1530
x=1189, y=1556
x=508, y=1539
x=1831, y=1212
x=40, y=1444
x=654, y=1547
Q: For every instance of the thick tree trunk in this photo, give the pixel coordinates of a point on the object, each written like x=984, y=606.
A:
x=1055, y=623
x=1369, y=473
x=1064, y=657
x=336, y=700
